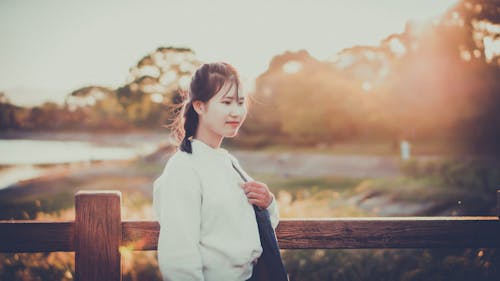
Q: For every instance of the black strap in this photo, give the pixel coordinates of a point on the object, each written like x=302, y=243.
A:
x=269, y=266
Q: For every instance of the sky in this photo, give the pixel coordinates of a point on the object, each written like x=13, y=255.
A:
x=50, y=48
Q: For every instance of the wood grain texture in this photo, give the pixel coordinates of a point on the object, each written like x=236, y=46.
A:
x=404, y=232
x=358, y=233
x=140, y=235
x=98, y=236
x=36, y=236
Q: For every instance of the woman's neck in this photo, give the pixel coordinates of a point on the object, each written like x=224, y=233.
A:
x=209, y=138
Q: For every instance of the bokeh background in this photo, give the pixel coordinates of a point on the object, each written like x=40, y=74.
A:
x=358, y=108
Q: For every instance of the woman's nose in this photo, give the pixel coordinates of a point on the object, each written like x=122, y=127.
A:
x=237, y=110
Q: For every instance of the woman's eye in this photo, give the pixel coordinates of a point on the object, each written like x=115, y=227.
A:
x=226, y=102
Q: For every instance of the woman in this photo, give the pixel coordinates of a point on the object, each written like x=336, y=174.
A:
x=208, y=229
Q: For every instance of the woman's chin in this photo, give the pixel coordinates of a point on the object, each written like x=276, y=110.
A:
x=231, y=134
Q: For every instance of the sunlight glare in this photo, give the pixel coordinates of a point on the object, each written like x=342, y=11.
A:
x=465, y=55
x=149, y=70
x=491, y=48
x=292, y=67
x=157, y=98
x=366, y=86
x=397, y=47
x=344, y=61
x=168, y=77
x=184, y=82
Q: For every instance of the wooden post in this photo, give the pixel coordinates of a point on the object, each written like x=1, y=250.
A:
x=98, y=235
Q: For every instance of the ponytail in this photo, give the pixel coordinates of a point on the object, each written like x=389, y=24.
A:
x=190, y=125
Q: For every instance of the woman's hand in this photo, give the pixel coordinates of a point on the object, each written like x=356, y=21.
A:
x=258, y=194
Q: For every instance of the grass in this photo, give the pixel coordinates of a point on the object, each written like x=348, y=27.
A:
x=298, y=197
x=342, y=196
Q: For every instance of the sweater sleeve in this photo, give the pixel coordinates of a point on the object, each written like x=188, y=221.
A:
x=274, y=213
x=177, y=205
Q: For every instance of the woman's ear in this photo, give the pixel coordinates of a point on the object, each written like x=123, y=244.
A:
x=198, y=106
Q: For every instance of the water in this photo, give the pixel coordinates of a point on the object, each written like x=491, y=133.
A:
x=20, y=156
x=16, y=152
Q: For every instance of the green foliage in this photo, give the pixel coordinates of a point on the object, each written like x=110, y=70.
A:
x=28, y=208
x=458, y=173
x=432, y=81
x=396, y=265
x=38, y=266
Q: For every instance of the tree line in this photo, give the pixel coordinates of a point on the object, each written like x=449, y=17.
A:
x=437, y=80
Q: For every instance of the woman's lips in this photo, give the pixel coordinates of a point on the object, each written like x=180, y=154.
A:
x=234, y=124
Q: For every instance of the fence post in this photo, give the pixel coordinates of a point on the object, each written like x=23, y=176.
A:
x=98, y=235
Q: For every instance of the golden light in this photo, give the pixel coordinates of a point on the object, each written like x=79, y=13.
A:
x=168, y=77
x=184, y=82
x=485, y=36
x=370, y=55
x=292, y=67
x=154, y=88
x=157, y=98
x=491, y=48
x=187, y=67
x=91, y=100
x=477, y=53
x=68, y=275
x=478, y=8
x=397, y=47
x=149, y=70
x=159, y=58
x=366, y=86
x=465, y=55
x=343, y=61
x=134, y=87
x=127, y=257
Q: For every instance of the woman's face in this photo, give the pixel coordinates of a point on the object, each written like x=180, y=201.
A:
x=225, y=112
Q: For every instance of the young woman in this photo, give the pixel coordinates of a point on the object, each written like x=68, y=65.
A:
x=208, y=228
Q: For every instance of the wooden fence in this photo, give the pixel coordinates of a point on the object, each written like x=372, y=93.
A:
x=98, y=232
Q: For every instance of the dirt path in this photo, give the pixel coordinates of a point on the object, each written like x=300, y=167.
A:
x=316, y=165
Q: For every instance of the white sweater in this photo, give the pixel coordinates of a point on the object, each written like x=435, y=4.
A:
x=208, y=229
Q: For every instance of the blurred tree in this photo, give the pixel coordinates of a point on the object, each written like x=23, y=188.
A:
x=11, y=116
x=480, y=51
x=309, y=101
x=99, y=106
x=148, y=98
x=154, y=83
x=4, y=98
x=445, y=84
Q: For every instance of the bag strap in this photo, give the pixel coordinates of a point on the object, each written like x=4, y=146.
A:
x=270, y=265
x=244, y=178
x=239, y=172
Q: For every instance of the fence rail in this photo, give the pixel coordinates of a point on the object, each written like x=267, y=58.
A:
x=97, y=233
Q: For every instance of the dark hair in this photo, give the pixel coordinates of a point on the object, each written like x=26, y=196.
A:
x=205, y=83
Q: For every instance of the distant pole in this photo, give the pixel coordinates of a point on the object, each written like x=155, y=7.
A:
x=405, y=150
x=98, y=233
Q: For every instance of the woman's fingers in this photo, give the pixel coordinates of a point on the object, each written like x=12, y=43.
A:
x=258, y=194
x=255, y=202
x=255, y=195
x=255, y=189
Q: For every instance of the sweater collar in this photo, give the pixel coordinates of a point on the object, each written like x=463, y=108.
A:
x=199, y=147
